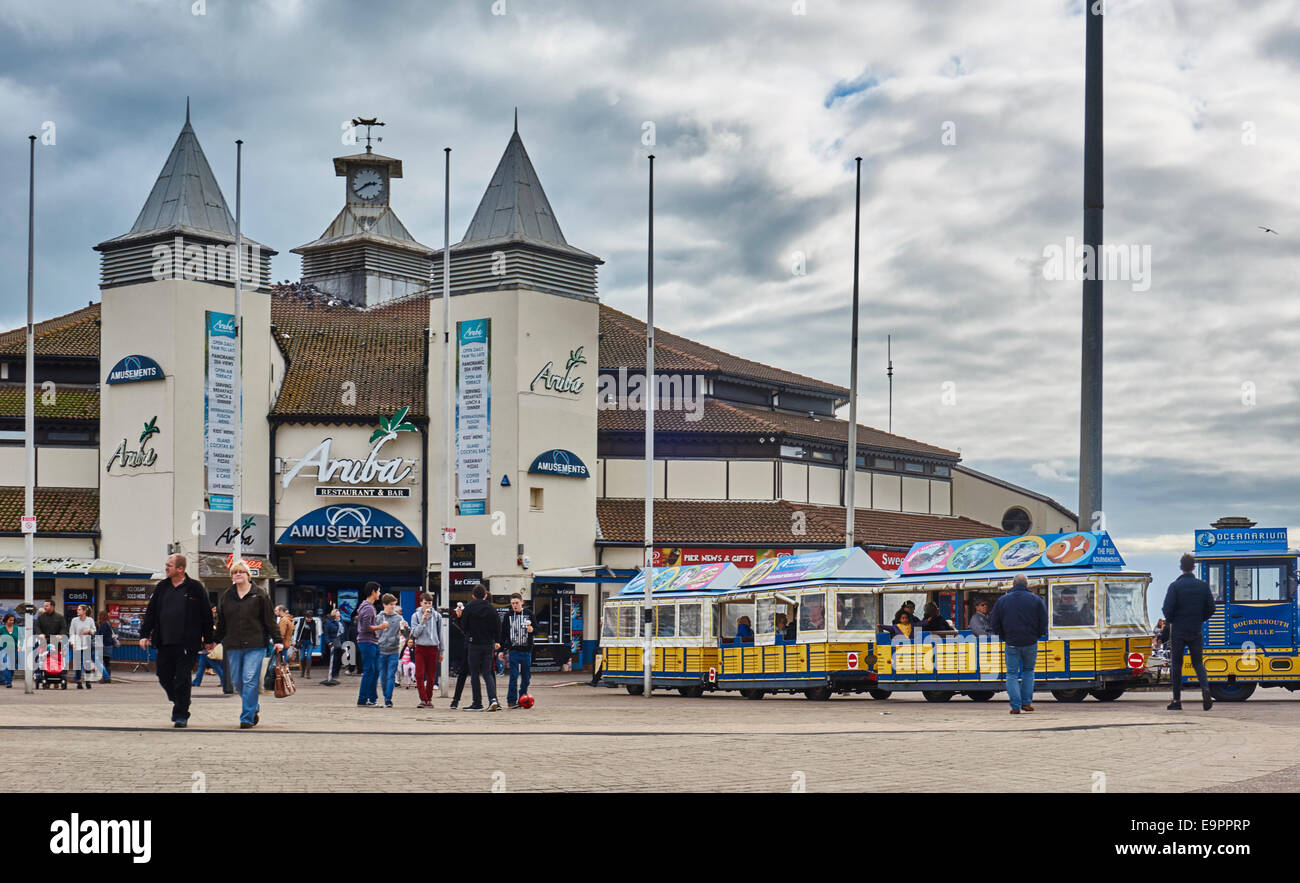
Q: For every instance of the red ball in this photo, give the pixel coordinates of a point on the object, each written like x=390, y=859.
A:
x=526, y=700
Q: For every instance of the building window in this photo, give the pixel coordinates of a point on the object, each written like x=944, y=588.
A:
x=12, y=435
x=882, y=463
x=792, y=451
x=822, y=455
x=535, y=499
x=69, y=436
x=1016, y=521
x=913, y=467
x=862, y=460
x=942, y=470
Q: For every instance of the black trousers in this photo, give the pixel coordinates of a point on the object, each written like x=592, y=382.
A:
x=1192, y=644
x=175, y=666
x=481, y=665
x=335, y=655
x=462, y=675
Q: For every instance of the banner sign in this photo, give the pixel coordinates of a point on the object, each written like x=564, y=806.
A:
x=134, y=369
x=462, y=555
x=814, y=565
x=219, y=403
x=473, y=415
x=559, y=462
x=354, y=525
x=218, y=533
x=671, y=556
x=319, y=463
x=887, y=560
x=695, y=578
x=1254, y=539
x=1078, y=549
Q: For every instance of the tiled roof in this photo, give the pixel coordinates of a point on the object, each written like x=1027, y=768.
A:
x=70, y=402
x=73, y=334
x=58, y=509
x=622, y=344
x=767, y=523
x=381, y=350
x=722, y=417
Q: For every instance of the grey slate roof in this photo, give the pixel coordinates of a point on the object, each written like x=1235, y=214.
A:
x=352, y=226
x=515, y=208
x=185, y=198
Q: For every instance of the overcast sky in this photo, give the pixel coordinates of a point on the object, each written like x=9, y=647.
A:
x=969, y=116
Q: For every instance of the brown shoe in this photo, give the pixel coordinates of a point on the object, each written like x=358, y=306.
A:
x=1015, y=711
x=1026, y=708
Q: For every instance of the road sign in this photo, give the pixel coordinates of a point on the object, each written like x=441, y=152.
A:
x=1136, y=661
x=28, y=523
x=449, y=535
x=853, y=660
x=713, y=676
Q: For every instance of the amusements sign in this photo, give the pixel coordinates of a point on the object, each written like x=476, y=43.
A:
x=219, y=404
x=473, y=415
x=1081, y=549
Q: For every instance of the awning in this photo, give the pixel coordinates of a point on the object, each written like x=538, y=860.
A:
x=80, y=567
x=591, y=573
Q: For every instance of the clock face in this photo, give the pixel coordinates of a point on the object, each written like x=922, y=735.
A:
x=367, y=184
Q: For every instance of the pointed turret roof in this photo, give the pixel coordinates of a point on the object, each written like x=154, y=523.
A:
x=185, y=198
x=515, y=207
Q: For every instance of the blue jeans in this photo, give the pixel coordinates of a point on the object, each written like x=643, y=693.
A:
x=246, y=672
x=369, y=655
x=206, y=662
x=8, y=663
x=105, y=659
x=1020, y=674
x=521, y=673
x=388, y=671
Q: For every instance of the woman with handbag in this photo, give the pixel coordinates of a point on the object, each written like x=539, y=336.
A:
x=245, y=624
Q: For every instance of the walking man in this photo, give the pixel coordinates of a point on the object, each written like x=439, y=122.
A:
x=1020, y=617
x=426, y=630
x=334, y=634
x=368, y=646
x=178, y=621
x=50, y=624
x=390, y=644
x=1188, y=603
x=516, y=642
x=482, y=627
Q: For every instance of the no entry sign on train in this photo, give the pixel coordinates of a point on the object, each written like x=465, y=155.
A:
x=1136, y=661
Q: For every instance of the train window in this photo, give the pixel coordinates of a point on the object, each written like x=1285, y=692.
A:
x=666, y=621
x=1122, y=600
x=629, y=620
x=731, y=614
x=1258, y=584
x=854, y=611
x=1215, y=574
x=688, y=620
x=609, y=622
x=894, y=604
x=1073, y=604
x=812, y=612
x=765, y=616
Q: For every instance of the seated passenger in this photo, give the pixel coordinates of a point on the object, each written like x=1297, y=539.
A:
x=744, y=631
x=979, y=620
x=903, y=625
x=933, y=622
x=910, y=607
x=858, y=619
x=780, y=623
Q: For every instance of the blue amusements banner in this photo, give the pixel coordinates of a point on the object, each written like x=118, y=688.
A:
x=473, y=415
x=1078, y=549
x=559, y=462
x=134, y=369
x=348, y=526
x=1255, y=539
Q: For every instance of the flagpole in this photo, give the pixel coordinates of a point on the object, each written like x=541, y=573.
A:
x=444, y=566
x=851, y=466
x=236, y=496
x=29, y=415
x=650, y=391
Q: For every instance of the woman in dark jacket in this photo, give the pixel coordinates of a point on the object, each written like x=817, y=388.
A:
x=108, y=640
x=245, y=625
x=305, y=641
x=932, y=621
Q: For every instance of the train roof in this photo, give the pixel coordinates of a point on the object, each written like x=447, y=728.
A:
x=792, y=570
x=1079, y=550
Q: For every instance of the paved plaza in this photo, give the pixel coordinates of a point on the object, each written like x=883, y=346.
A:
x=118, y=737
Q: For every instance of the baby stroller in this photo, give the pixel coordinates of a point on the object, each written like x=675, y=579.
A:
x=50, y=672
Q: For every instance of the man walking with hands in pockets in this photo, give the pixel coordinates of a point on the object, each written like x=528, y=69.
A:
x=1020, y=617
x=1188, y=603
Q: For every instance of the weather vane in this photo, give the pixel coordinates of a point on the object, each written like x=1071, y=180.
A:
x=373, y=121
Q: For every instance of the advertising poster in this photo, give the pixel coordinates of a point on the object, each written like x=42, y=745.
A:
x=473, y=415
x=219, y=406
x=347, y=603
x=126, y=606
x=1077, y=549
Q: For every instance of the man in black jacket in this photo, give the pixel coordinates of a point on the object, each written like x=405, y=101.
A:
x=1020, y=617
x=481, y=631
x=516, y=643
x=1188, y=603
x=178, y=622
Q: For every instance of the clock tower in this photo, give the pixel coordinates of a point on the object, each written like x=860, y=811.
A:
x=366, y=256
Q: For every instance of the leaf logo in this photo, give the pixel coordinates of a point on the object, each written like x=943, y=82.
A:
x=390, y=426
x=575, y=358
x=150, y=428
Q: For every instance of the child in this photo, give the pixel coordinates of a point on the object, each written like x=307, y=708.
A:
x=408, y=666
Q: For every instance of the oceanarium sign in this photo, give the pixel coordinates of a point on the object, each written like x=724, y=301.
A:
x=373, y=469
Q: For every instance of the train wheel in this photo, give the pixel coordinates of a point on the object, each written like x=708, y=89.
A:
x=1070, y=695
x=693, y=692
x=1110, y=694
x=980, y=695
x=818, y=694
x=752, y=694
x=636, y=689
x=1237, y=691
x=937, y=695
x=880, y=694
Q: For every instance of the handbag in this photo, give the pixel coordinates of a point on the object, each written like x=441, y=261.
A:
x=283, y=680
